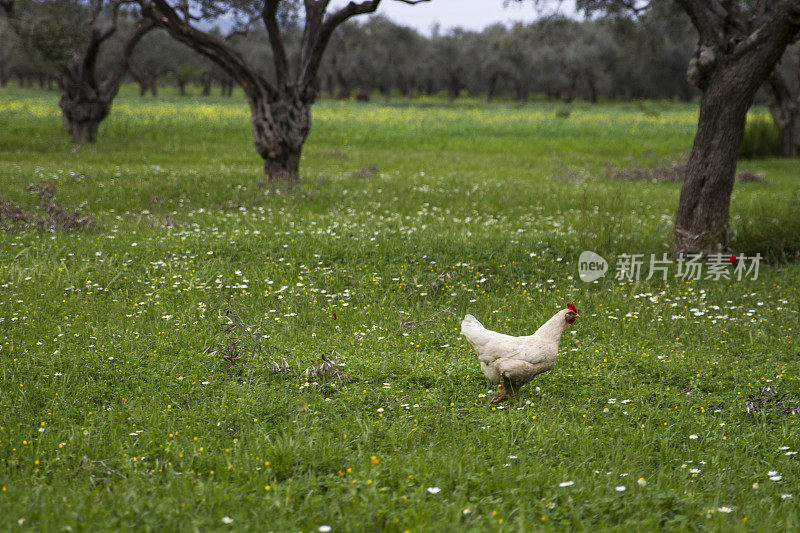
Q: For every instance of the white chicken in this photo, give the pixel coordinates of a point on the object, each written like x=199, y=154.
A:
x=511, y=362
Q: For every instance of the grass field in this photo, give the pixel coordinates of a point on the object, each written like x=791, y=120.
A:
x=112, y=414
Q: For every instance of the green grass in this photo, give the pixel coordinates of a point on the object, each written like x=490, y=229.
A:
x=114, y=417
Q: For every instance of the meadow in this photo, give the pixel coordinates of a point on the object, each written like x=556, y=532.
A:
x=139, y=390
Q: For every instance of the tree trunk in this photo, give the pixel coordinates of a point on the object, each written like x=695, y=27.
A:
x=142, y=89
x=701, y=222
x=790, y=137
x=386, y=90
x=82, y=110
x=491, y=87
x=363, y=92
x=522, y=94
x=735, y=55
x=785, y=109
x=344, y=86
x=182, y=88
x=206, y=87
x=154, y=88
x=284, y=168
x=279, y=130
x=453, y=90
x=85, y=132
x=330, y=84
x=592, y=88
x=344, y=92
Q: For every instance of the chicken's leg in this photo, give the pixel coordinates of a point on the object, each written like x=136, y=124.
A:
x=506, y=391
x=501, y=394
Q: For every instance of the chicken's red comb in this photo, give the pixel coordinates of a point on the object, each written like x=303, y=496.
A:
x=572, y=308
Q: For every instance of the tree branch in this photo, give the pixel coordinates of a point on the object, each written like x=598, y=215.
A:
x=707, y=17
x=241, y=31
x=236, y=33
x=111, y=85
x=8, y=8
x=768, y=27
x=778, y=96
x=318, y=32
x=114, y=18
x=269, y=15
x=632, y=6
x=96, y=38
x=229, y=59
x=183, y=6
x=98, y=7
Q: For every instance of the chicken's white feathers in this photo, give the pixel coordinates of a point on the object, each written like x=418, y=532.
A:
x=517, y=359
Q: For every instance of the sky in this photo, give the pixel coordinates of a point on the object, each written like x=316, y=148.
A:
x=467, y=14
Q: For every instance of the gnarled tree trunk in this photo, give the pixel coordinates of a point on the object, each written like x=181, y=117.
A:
x=82, y=110
x=280, y=129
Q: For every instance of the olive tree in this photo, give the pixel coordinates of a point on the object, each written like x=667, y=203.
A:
x=737, y=50
x=739, y=43
x=280, y=108
x=69, y=35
